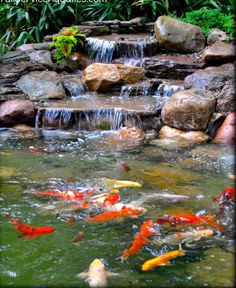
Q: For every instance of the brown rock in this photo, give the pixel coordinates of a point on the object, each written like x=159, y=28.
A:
x=100, y=77
x=177, y=135
x=189, y=109
x=16, y=111
x=220, y=52
x=226, y=98
x=177, y=36
x=226, y=132
x=215, y=36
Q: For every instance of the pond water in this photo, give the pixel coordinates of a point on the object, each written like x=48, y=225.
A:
x=54, y=260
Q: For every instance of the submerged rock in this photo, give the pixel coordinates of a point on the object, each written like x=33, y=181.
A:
x=226, y=132
x=42, y=85
x=177, y=135
x=100, y=77
x=16, y=111
x=189, y=109
x=177, y=36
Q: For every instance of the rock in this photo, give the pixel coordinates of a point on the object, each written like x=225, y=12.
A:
x=73, y=85
x=171, y=66
x=211, y=78
x=100, y=77
x=189, y=110
x=42, y=85
x=219, y=52
x=215, y=122
x=35, y=46
x=226, y=98
x=14, y=57
x=90, y=30
x=226, y=133
x=16, y=111
x=22, y=131
x=177, y=36
x=215, y=36
x=42, y=57
x=177, y=135
x=133, y=133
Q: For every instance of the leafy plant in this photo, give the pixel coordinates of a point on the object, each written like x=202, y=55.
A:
x=65, y=43
x=152, y=8
x=28, y=21
x=208, y=19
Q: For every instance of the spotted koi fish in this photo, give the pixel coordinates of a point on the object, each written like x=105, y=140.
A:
x=28, y=231
x=70, y=195
x=226, y=197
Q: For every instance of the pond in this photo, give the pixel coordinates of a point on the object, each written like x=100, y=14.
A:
x=200, y=173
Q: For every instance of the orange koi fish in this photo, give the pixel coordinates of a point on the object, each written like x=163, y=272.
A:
x=190, y=219
x=33, y=149
x=111, y=199
x=146, y=230
x=226, y=197
x=70, y=195
x=115, y=215
x=78, y=237
x=126, y=167
x=162, y=260
x=29, y=231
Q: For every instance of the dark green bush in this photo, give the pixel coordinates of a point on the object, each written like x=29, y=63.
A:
x=208, y=19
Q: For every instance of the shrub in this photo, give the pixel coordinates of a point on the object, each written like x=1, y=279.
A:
x=208, y=19
x=67, y=42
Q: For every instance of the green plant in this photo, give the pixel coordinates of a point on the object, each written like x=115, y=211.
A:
x=65, y=43
x=30, y=21
x=208, y=19
x=152, y=9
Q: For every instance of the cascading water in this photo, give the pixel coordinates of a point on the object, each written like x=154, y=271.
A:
x=133, y=54
x=92, y=119
x=100, y=50
x=166, y=89
x=135, y=90
x=78, y=90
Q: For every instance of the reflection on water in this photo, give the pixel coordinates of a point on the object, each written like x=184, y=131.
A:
x=197, y=172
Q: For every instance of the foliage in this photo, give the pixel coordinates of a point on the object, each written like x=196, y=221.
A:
x=109, y=10
x=208, y=19
x=65, y=43
x=152, y=8
x=22, y=22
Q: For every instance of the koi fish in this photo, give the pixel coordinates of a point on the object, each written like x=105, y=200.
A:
x=115, y=215
x=70, y=195
x=33, y=149
x=162, y=260
x=96, y=276
x=226, y=197
x=78, y=237
x=190, y=219
x=126, y=167
x=120, y=183
x=185, y=237
x=146, y=230
x=29, y=231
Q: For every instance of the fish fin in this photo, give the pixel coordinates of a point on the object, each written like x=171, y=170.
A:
x=165, y=264
x=110, y=274
x=82, y=275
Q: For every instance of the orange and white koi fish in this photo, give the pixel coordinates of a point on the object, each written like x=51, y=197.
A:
x=185, y=237
x=141, y=239
x=115, y=215
x=162, y=260
x=70, y=195
x=78, y=237
x=96, y=276
x=29, y=231
x=33, y=149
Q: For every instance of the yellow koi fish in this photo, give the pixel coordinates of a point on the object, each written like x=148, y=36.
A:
x=120, y=183
x=162, y=260
x=96, y=276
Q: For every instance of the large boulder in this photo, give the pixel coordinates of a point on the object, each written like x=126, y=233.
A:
x=226, y=132
x=42, y=85
x=177, y=135
x=16, y=111
x=215, y=36
x=219, y=52
x=189, y=109
x=101, y=77
x=226, y=98
x=211, y=78
x=177, y=36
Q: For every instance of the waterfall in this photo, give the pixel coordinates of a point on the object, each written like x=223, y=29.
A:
x=77, y=90
x=143, y=89
x=92, y=119
x=100, y=50
x=168, y=89
x=132, y=53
